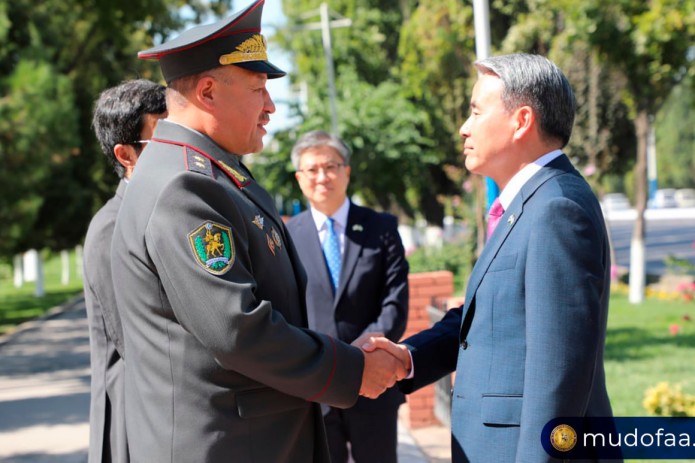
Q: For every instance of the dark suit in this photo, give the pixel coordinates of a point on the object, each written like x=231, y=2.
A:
x=528, y=344
x=107, y=437
x=221, y=367
x=372, y=297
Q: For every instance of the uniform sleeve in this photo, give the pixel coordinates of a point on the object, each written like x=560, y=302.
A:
x=394, y=296
x=565, y=318
x=242, y=332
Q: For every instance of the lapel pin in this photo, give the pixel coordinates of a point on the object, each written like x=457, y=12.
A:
x=258, y=221
x=357, y=227
x=276, y=237
x=511, y=219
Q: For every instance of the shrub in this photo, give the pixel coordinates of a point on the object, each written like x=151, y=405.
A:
x=666, y=400
x=457, y=257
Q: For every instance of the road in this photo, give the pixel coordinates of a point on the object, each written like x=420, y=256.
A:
x=670, y=232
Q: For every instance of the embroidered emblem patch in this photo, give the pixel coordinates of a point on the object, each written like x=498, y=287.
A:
x=213, y=247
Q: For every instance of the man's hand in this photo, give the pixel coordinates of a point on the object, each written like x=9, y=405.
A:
x=397, y=350
x=384, y=364
x=364, y=338
x=381, y=371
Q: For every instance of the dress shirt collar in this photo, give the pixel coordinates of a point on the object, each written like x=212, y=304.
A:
x=339, y=217
x=524, y=175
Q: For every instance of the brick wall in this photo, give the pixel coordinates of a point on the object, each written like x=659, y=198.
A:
x=426, y=289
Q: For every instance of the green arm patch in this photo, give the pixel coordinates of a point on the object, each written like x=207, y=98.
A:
x=213, y=247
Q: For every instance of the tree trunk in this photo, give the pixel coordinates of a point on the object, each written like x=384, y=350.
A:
x=637, y=246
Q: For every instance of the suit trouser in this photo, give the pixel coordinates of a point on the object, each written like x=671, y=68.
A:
x=372, y=435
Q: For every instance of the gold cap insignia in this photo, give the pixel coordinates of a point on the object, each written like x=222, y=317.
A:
x=252, y=49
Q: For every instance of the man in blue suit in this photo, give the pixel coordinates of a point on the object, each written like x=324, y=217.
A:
x=360, y=286
x=527, y=346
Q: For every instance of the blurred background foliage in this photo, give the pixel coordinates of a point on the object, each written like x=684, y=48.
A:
x=403, y=76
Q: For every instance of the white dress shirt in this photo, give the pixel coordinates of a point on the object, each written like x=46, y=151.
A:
x=524, y=175
x=340, y=218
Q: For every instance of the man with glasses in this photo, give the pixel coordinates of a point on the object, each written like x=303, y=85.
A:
x=124, y=118
x=357, y=284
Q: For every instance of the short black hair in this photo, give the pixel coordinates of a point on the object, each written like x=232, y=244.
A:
x=119, y=115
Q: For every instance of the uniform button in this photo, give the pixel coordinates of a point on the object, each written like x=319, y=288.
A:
x=464, y=344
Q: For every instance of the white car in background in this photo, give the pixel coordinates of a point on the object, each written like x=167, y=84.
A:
x=664, y=198
x=613, y=202
x=685, y=197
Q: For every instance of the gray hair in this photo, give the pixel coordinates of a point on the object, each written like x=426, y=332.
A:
x=318, y=138
x=535, y=81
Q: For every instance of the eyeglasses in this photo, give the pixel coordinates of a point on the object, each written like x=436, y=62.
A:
x=330, y=169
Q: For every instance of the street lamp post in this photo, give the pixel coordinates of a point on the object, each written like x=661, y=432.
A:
x=481, y=20
x=325, y=25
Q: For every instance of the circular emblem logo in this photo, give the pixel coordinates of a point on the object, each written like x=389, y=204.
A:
x=563, y=437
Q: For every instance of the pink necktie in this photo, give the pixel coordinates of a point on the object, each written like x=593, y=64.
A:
x=493, y=216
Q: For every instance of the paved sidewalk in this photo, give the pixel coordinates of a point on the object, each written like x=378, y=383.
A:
x=44, y=395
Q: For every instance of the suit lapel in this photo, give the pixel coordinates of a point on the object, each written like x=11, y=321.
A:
x=355, y=232
x=510, y=218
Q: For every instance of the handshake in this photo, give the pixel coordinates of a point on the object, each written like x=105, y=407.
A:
x=384, y=363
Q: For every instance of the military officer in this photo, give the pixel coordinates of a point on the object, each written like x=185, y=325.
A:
x=221, y=364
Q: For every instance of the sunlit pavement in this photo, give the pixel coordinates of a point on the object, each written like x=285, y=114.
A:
x=44, y=395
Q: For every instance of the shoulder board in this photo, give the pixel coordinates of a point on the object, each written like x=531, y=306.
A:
x=196, y=162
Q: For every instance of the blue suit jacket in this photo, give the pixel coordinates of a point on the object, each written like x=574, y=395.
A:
x=373, y=291
x=528, y=344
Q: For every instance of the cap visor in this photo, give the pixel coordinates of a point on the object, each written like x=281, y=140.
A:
x=264, y=67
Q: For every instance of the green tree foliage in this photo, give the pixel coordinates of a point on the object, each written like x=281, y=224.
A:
x=649, y=43
x=55, y=58
x=675, y=138
x=427, y=49
x=397, y=164
x=38, y=129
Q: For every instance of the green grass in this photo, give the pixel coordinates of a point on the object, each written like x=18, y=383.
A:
x=19, y=304
x=641, y=351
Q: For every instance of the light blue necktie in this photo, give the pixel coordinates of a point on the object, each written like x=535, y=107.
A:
x=331, y=251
